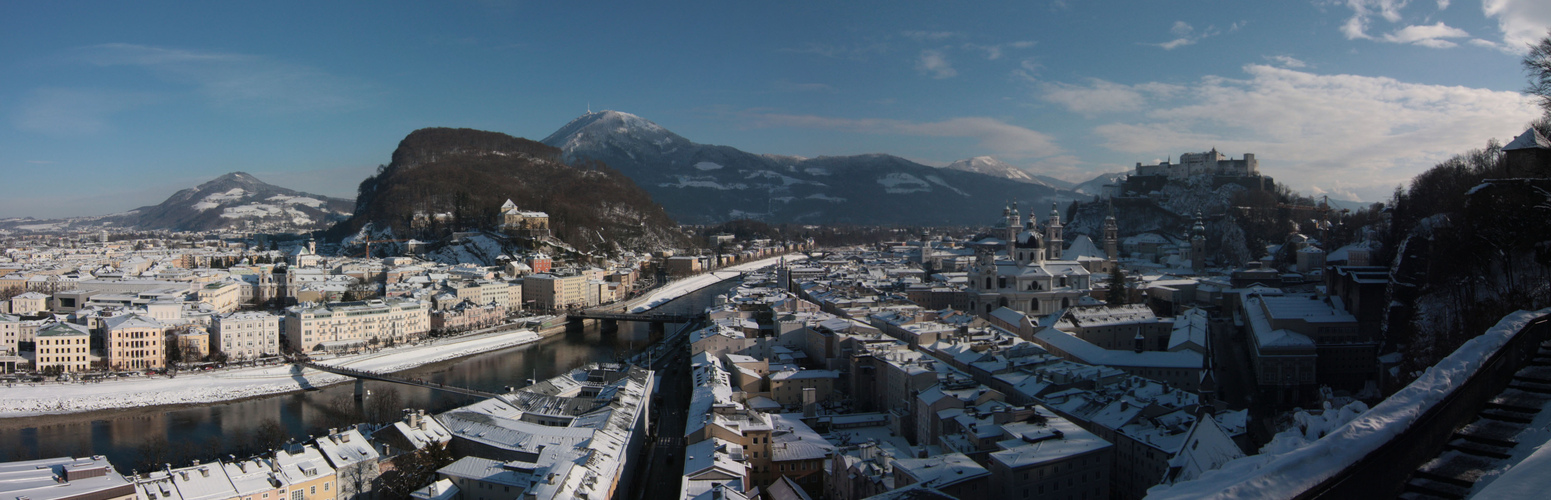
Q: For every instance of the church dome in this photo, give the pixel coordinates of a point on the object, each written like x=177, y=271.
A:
x=1029, y=239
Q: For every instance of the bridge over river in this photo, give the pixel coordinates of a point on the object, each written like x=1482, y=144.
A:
x=361, y=376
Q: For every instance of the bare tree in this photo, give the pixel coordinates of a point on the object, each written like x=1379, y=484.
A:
x=1538, y=64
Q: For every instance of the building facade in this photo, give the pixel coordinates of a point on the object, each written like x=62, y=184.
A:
x=247, y=335
x=1025, y=280
x=135, y=342
x=65, y=345
x=352, y=325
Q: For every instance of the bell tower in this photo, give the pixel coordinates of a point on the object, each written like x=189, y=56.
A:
x=1111, y=236
x=1053, y=243
x=1013, y=223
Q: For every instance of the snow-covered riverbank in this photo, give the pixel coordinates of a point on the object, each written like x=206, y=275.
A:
x=24, y=400
x=680, y=288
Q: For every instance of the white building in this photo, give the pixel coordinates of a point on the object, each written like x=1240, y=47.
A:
x=1027, y=279
x=247, y=335
x=351, y=325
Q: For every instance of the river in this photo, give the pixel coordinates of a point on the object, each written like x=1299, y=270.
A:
x=138, y=439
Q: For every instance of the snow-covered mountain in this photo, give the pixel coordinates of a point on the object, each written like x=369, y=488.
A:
x=239, y=200
x=701, y=183
x=997, y=168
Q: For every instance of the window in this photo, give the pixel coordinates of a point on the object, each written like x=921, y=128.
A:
x=296, y=495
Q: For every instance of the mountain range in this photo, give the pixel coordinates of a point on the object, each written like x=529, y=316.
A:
x=703, y=183
x=695, y=183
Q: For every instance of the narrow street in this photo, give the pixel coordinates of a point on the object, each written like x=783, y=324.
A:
x=662, y=464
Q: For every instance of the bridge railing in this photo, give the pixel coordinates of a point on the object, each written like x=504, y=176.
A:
x=1371, y=456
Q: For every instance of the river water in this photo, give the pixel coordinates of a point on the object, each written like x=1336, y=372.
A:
x=139, y=439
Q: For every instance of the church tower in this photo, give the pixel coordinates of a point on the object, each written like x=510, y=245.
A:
x=1111, y=236
x=1053, y=242
x=1198, y=245
x=1013, y=224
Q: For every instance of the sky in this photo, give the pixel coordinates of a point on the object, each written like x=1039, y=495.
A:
x=108, y=106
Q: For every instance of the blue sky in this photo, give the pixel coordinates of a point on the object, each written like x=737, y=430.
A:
x=108, y=106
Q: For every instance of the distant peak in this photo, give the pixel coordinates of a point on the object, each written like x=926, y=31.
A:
x=238, y=177
x=606, y=124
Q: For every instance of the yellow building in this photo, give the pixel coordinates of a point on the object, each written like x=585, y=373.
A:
x=305, y=473
x=134, y=342
x=194, y=343
x=548, y=291
x=64, y=345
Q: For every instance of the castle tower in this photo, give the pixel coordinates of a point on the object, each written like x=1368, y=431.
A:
x=1198, y=245
x=1053, y=243
x=1111, y=236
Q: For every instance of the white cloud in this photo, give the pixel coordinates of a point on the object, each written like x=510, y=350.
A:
x=1176, y=43
x=1187, y=35
x=1522, y=22
x=1287, y=61
x=992, y=135
x=1443, y=4
x=1307, y=129
x=1427, y=36
x=994, y=52
x=935, y=64
x=235, y=81
x=1099, y=96
x=1362, y=10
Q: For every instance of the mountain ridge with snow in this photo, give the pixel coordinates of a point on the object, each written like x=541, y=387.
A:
x=704, y=183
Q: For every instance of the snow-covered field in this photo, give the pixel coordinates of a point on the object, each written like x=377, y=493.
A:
x=24, y=400
x=680, y=288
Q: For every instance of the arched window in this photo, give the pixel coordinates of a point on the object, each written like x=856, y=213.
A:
x=1002, y=302
x=1066, y=302
x=988, y=282
x=1001, y=282
x=1034, y=306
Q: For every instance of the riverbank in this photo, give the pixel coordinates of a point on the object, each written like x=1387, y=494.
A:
x=682, y=287
x=192, y=388
x=22, y=401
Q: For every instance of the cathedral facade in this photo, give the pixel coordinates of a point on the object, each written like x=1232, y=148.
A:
x=1025, y=272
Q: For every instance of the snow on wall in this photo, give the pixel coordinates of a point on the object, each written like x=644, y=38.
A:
x=1281, y=472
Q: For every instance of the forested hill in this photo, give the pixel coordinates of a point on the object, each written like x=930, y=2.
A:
x=467, y=174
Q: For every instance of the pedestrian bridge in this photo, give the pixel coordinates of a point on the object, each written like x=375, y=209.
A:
x=361, y=376
x=647, y=317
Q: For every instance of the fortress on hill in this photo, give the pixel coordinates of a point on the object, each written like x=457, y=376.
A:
x=1193, y=164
